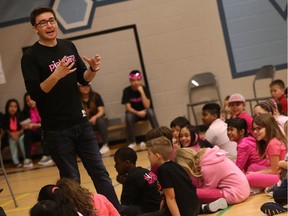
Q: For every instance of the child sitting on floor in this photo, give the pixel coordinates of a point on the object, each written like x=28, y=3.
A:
x=188, y=137
x=71, y=198
x=179, y=193
x=176, y=125
x=216, y=134
x=158, y=132
x=247, y=155
x=272, y=145
x=139, y=192
x=214, y=175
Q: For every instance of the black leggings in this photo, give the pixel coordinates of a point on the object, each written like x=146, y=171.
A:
x=280, y=193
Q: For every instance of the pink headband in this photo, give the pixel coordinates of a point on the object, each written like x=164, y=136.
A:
x=133, y=76
x=54, y=188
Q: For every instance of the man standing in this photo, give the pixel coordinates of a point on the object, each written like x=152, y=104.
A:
x=51, y=69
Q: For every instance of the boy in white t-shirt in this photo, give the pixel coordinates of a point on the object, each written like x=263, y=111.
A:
x=216, y=134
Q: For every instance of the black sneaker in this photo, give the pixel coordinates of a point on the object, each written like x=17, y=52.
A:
x=271, y=208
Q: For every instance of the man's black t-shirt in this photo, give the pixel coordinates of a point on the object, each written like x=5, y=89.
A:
x=61, y=107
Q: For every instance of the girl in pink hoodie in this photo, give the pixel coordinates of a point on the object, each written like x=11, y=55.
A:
x=247, y=155
x=214, y=175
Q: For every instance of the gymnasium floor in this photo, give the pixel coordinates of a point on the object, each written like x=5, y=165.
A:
x=27, y=182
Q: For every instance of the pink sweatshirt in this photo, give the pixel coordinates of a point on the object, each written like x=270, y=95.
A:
x=34, y=115
x=103, y=206
x=248, y=158
x=220, y=172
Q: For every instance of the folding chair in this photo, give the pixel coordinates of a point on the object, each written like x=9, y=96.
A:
x=200, y=82
x=2, y=168
x=266, y=72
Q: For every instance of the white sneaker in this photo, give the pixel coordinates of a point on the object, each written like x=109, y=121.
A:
x=217, y=205
x=132, y=145
x=270, y=193
x=254, y=190
x=104, y=149
x=142, y=145
x=18, y=165
x=27, y=163
x=45, y=161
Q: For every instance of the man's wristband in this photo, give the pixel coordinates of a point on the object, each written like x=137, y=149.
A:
x=92, y=69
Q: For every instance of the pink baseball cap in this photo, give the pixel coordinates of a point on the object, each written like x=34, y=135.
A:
x=236, y=98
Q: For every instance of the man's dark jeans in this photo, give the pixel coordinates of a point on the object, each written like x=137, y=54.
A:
x=64, y=146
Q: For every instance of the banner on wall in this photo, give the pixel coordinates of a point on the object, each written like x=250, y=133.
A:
x=2, y=75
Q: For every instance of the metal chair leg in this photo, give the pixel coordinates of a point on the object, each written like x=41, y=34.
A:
x=7, y=181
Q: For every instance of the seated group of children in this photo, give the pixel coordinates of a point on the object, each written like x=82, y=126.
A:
x=237, y=158
x=22, y=128
x=192, y=175
x=196, y=181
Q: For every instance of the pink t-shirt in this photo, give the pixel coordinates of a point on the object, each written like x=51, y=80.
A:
x=103, y=206
x=276, y=148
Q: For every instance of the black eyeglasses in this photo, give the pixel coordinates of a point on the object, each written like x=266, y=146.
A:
x=44, y=23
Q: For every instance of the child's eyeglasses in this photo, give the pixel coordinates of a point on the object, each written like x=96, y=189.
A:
x=257, y=129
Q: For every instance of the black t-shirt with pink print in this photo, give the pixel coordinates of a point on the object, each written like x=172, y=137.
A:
x=61, y=107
